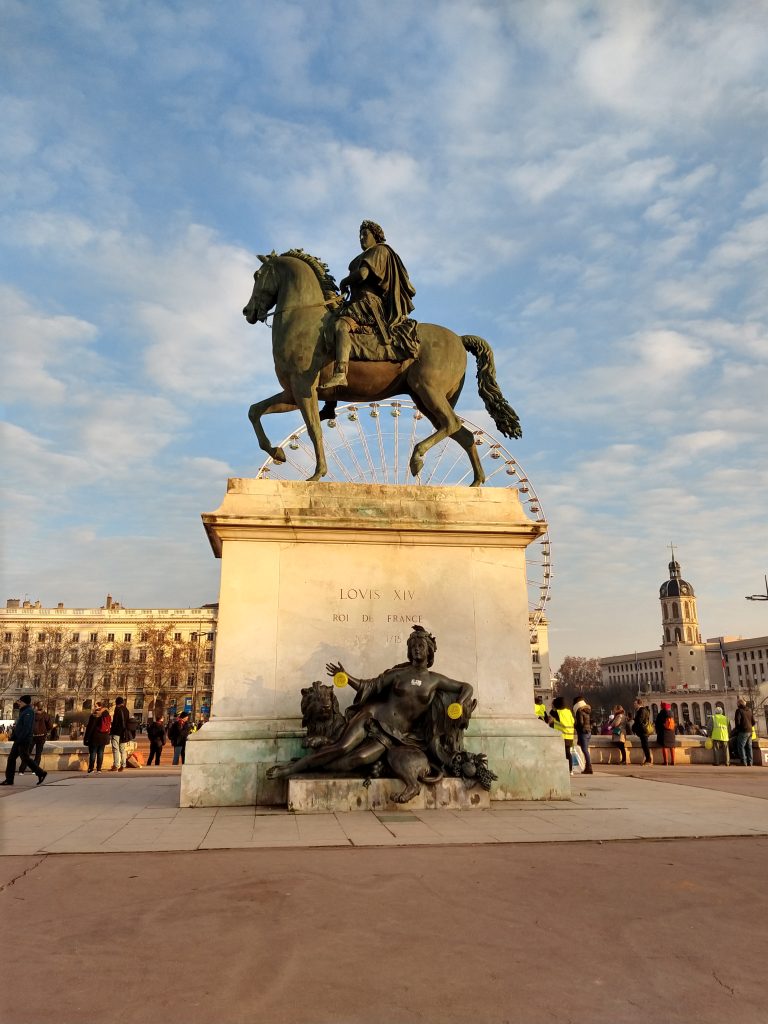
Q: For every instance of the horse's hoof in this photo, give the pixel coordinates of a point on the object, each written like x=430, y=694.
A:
x=316, y=476
x=417, y=464
x=278, y=455
x=478, y=481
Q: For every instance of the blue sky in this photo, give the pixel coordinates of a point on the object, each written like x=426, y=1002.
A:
x=583, y=184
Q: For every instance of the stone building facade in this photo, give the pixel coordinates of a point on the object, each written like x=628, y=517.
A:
x=693, y=674
x=542, y=672
x=159, y=659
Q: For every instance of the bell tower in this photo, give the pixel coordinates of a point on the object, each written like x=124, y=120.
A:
x=683, y=651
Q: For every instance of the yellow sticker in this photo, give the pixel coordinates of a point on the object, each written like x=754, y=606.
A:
x=455, y=710
x=340, y=679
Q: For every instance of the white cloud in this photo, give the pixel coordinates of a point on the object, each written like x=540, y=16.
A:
x=42, y=353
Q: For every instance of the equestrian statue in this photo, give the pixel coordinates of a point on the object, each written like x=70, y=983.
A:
x=357, y=343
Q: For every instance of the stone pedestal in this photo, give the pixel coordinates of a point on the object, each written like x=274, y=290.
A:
x=308, y=794
x=318, y=573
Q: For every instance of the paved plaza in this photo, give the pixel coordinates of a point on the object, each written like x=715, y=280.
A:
x=139, y=812
x=642, y=898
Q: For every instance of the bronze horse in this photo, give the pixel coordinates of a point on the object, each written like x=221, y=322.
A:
x=301, y=289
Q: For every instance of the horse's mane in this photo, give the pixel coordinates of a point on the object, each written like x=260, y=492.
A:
x=324, y=277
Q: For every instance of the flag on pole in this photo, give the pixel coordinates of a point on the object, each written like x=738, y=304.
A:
x=723, y=659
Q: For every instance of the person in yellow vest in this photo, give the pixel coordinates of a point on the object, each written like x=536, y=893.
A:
x=561, y=719
x=718, y=732
x=540, y=708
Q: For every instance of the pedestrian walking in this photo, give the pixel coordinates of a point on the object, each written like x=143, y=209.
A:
x=120, y=733
x=583, y=723
x=97, y=735
x=177, y=734
x=665, y=733
x=562, y=721
x=642, y=728
x=156, y=737
x=43, y=724
x=744, y=722
x=21, y=742
x=720, y=733
x=619, y=731
x=540, y=709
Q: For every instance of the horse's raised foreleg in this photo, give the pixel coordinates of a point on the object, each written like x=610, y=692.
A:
x=282, y=402
x=441, y=415
x=307, y=406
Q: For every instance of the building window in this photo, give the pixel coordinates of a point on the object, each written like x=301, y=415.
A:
x=209, y=636
x=678, y=635
x=209, y=656
x=94, y=637
x=75, y=638
x=107, y=680
x=127, y=637
x=144, y=637
x=177, y=637
x=41, y=638
x=109, y=657
x=675, y=610
x=125, y=656
x=138, y=703
x=57, y=637
x=36, y=682
x=174, y=680
x=8, y=637
x=73, y=657
x=696, y=714
x=142, y=655
x=207, y=678
x=39, y=658
x=122, y=679
x=89, y=681
x=110, y=638
x=190, y=682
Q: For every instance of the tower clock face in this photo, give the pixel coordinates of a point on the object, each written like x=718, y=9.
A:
x=371, y=443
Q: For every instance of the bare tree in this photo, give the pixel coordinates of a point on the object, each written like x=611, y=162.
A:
x=578, y=675
x=161, y=652
x=14, y=659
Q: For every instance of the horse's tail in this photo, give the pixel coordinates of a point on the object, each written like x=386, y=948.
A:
x=502, y=413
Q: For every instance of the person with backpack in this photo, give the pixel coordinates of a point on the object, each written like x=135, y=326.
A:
x=641, y=727
x=177, y=734
x=96, y=736
x=665, y=733
x=120, y=734
x=156, y=737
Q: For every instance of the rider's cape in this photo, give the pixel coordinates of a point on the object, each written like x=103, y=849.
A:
x=381, y=307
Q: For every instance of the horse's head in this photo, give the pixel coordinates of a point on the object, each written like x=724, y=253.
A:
x=264, y=294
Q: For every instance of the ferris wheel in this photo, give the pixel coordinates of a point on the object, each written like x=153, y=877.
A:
x=371, y=443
